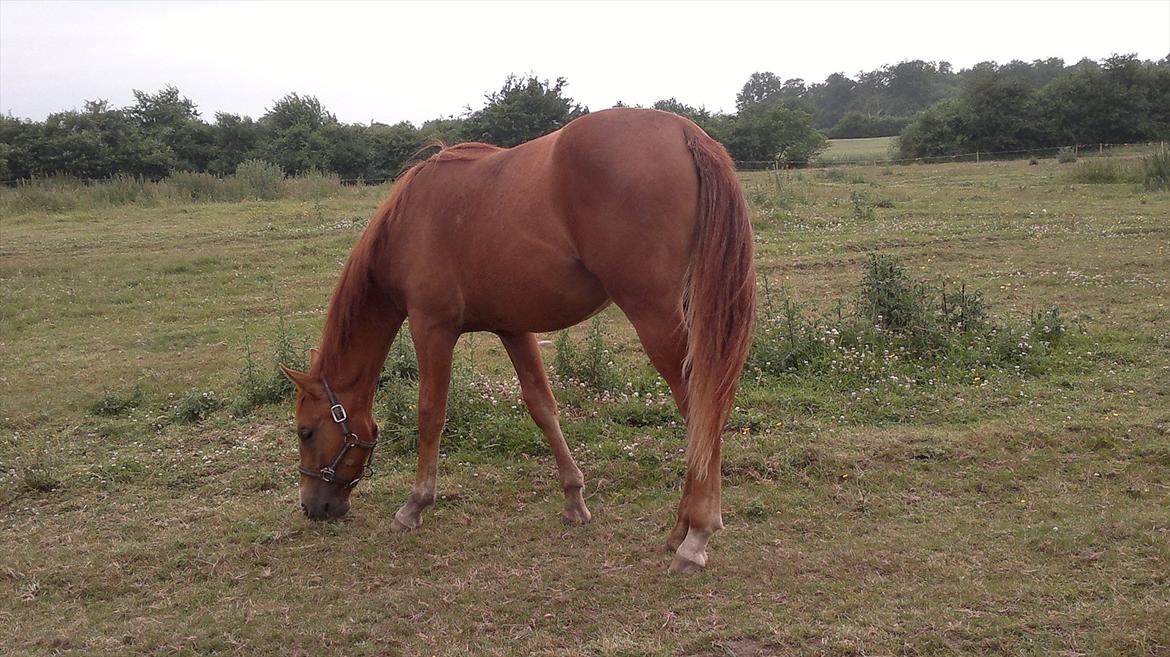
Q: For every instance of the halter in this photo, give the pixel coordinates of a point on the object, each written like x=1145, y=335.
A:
x=328, y=474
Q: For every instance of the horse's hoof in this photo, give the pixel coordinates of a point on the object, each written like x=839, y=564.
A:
x=682, y=564
x=576, y=516
x=411, y=525
x=399, y=527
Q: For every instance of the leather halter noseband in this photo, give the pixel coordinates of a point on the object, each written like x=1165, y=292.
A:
x=328, y=474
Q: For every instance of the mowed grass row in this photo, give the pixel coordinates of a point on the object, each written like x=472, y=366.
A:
x=966, y=507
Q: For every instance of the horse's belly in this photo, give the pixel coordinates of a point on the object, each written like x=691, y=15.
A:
x=533, y=301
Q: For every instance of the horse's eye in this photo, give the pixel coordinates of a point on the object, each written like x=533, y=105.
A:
x=305, y=433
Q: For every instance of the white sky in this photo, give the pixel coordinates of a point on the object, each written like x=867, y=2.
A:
x=405, y=61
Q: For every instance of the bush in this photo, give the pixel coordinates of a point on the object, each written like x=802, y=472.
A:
x=1066, y=155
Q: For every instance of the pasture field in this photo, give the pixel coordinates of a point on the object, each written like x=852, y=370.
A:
x=853, y=150
x=875, y=504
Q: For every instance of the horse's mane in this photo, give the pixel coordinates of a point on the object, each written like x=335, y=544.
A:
x=351, y=295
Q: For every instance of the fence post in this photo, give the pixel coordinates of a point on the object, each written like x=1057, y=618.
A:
x=976, y=156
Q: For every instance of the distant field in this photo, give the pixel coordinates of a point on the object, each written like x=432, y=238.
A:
x=852, y=150
x=877, y=505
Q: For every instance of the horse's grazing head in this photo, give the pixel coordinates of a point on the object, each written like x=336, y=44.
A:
x=335, y=447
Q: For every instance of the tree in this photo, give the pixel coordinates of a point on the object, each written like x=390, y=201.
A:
x=295, y=110
x=524, y=109
x=295, y=135
x=236, y=139
x=764, y=88
x=771, y=134
x=98, y=142
x=391, y=148
x=831, y=99
x=172, y=120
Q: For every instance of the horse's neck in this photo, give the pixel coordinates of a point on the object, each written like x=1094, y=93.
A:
x=354, y=350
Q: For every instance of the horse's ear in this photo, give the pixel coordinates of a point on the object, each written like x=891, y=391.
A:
x=299, y=379
x=313, y=353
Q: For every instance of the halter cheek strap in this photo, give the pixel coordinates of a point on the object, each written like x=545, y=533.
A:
x=328, y=474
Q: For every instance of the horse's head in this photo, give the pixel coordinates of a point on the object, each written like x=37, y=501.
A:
x=335, y=447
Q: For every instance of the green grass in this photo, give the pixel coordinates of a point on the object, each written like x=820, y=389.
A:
x=944, y=503
x=857, y=150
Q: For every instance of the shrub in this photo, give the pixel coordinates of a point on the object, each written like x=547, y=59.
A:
x=1066, y=155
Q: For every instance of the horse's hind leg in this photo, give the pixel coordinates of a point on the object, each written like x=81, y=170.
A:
x=525, y=355
x=664, y=337
x=434, y=347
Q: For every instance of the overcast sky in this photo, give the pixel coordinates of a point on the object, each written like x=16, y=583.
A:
x=397, y=61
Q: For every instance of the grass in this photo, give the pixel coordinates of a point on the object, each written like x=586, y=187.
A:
x=933, y=500
x=874, y=149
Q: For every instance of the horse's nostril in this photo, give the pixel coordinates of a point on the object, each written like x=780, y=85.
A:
x=304, y=509
x=325, y=510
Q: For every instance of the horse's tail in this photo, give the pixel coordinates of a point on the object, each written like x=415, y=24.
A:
x=718, y=302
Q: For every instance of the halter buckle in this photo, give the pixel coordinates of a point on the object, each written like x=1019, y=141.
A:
x=327, y=474
x=338, y=413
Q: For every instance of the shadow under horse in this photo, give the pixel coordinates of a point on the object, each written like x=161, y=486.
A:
x=640, y=208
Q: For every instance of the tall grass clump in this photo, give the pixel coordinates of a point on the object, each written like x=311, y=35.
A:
x=260, y=180
x=1155, y=171
x=313, y=185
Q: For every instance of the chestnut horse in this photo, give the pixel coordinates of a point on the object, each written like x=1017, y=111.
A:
x=636, y=207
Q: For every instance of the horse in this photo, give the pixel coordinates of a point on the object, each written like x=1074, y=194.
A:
x=635, y=207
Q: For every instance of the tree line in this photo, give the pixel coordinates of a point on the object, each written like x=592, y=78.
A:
x=937, y=110
x=1121, y=100
x=162, y=133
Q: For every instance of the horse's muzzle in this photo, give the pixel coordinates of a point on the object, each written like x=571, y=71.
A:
x=325, y=509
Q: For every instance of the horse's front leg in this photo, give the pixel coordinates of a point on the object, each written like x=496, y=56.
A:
x=434, y=347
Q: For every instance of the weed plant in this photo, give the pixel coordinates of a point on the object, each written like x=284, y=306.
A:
x=898, y=330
